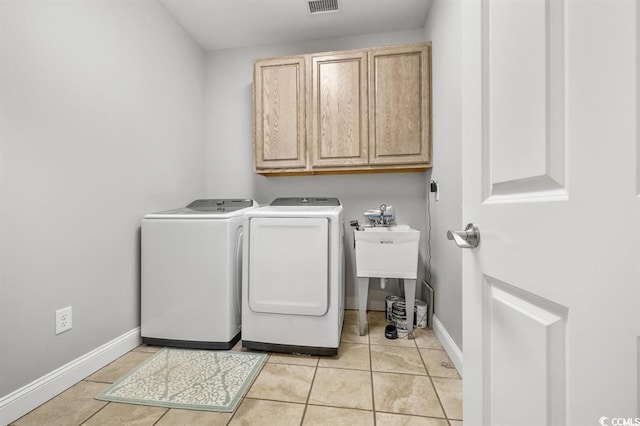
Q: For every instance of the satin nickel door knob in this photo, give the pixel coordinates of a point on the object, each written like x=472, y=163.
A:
x=469, y=238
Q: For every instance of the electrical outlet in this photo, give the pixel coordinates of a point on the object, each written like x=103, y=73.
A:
x=63, y=320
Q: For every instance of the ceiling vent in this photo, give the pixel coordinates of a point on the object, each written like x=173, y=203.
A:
x=322, y=6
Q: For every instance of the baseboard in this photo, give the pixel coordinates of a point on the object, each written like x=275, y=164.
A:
x=448, y=344
x=20, y=402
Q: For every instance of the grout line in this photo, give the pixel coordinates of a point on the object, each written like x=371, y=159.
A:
x=413, y=415
x=373, y=395
x=89, y=418
x=379, y=371
x=275, y=400
x=425, y=363
x=313, y=379
x=434, y=386
x=344, y=368
x=233, y=414
x=401, y=374
x=340, y=407
x=163, y=414
x=97, y=381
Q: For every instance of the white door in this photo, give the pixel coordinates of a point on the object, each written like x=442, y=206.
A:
x=550, y=295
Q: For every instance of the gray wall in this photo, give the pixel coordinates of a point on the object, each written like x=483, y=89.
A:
x=229, y=149
x=443, y=28
x=101, y=121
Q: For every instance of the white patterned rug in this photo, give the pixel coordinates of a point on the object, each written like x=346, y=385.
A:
x=189, y=379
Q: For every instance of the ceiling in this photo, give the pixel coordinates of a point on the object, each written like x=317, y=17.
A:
x=222, y=24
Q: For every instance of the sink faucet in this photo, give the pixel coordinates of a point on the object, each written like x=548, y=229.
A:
x=380, y=217
x=383, y=221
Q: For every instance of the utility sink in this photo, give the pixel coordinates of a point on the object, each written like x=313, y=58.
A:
x=387, y=252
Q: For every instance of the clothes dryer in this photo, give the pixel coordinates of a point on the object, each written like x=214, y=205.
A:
x=191, y=274
x=293, y=276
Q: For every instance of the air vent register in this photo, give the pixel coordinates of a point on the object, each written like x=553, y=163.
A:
x=322, y=6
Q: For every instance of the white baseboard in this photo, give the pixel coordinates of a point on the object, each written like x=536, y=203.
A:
x=20, y=402
x=448, y=344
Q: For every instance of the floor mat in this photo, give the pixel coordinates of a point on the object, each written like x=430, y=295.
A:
x=189, y=379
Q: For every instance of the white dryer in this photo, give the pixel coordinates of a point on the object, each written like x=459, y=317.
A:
x=191, y=274
x=293, y=276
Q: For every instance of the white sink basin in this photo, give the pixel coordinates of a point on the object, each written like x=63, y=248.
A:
x=394, y=228
x=387, y=252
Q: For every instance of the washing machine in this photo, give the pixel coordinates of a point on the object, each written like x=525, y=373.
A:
x=293, y=276
x=192, y=274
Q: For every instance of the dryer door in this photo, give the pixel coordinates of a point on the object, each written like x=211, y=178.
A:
x=288, y=265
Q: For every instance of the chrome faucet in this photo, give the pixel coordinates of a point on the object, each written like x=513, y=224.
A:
x=380, y=217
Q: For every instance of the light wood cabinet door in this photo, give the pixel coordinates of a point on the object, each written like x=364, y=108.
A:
x=399, y=105
x=280, y=113
x=339, y=128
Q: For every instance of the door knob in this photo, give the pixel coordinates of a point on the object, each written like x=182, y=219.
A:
x=469, y=238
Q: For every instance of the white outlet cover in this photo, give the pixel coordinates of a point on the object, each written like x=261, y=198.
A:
x=63, y=320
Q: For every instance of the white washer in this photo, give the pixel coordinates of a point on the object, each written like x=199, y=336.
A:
x=293, y=276
x=192, y=274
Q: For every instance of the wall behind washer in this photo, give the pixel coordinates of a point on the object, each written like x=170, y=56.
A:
x=230, y=149
x=101, y=121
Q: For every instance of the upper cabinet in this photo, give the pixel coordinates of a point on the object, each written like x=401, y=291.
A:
x=354, y=111
x=280, y=114
x=339, y=126
x=400, y=105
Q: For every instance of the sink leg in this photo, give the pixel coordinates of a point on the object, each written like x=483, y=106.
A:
x=363, y=293
x=410, y=299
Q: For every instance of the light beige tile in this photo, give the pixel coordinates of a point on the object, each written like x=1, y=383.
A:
x=405, y=394
x=342, y=388
x=450, y=392
x=351, y=317
x=272, y=413
x=147, y=348
x=377, y=317
x=176, y=417
x=392, y=359
x=455, y=422
x=386, y=419
x=126, y=414
x=317, y=415
x=71, y=407
x=351, y=334
x=283, y=382
x=120, y=367
x=376, y=337
x=438, y=363
x=426, y=338
x=350, y=355
x=294, y=359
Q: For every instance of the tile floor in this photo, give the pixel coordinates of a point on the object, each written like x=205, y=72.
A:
x=372, y=381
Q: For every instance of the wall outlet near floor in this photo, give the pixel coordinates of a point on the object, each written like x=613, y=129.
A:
x=63, y=320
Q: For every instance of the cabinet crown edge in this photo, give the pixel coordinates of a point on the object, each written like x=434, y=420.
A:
x=334, y=52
